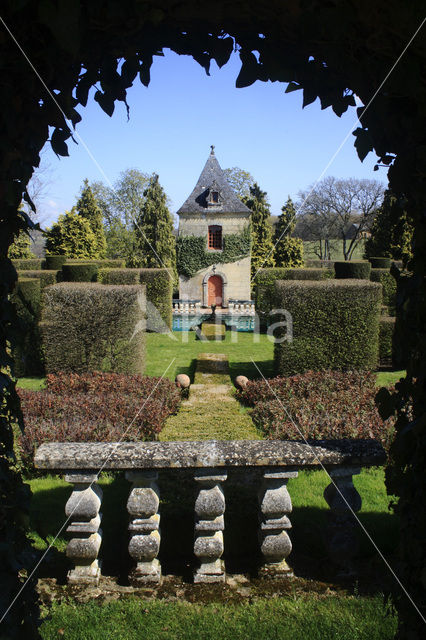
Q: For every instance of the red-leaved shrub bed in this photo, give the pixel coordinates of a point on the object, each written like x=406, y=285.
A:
x=316, y=405
x=95, y=407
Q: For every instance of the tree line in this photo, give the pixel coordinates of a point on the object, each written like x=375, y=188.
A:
x=131, y=220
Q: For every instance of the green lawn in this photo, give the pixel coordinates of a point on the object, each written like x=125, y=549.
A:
x=389, y=378
x=240, y=348
x=296, y=618
x=336, y=251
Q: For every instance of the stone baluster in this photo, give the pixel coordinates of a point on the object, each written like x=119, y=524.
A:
x=209, y=525
x=230, y=307
x=275, y=504
x=82, y=509
x=144, y=527
x=341, y=538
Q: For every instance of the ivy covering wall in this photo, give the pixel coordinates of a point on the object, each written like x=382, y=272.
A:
x=192, y=254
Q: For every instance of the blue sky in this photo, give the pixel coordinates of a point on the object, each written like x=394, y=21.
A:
x=174, y=121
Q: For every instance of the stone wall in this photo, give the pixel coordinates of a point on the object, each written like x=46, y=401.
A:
x=236, y=277
x=198, y=225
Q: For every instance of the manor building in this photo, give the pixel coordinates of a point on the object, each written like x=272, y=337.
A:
x=214, y=238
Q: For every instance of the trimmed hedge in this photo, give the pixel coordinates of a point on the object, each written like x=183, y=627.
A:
x=388, y=283
x=380, y=263
x=26, y=352
x=319, y=264
x=105, y=263
x=325, y=404
x=159, y=291
x=387, y=328
x=335, y=325
x=54, y=263
x=45, y=277
x=97, y=407
x=27, y=263
x=266, y=278
x=357, y=269
x=79, y=272
x=92, y=327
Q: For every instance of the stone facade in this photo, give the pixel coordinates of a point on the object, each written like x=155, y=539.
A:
x=235, y=278
x=213, y=203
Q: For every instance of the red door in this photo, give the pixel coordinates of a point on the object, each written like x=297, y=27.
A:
x=214, y=289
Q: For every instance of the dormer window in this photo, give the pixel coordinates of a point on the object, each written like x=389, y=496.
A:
x=213, y=197
x=215, y=237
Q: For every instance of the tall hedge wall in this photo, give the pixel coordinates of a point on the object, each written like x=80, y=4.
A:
x=92, y=327
x=355, y=269
x=159, y=291
x=46, y=277
x=335, y=325
x=27, y=263
x=387, y=329
x=27, y=351
x=388, y=283
x=54, y=262
x=80, y=272
x=266, y=278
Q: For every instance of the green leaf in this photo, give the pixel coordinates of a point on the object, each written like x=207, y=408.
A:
x=292, y=86
x=58, y=143
x=363, y=142
x=249, y=70
x=105, y=102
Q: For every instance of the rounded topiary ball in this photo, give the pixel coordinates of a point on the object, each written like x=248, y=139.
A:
x=182, y=381
x=241, y=382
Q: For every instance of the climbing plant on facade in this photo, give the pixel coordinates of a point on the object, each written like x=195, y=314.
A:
x=192, y=254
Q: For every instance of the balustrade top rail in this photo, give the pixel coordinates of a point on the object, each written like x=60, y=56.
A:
x=60, y=456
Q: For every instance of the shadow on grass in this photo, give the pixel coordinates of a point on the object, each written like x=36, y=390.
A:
x=249, y=370
x=188, y=370
x=178, y=492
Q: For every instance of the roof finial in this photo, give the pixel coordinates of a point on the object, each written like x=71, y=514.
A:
x=212, y=150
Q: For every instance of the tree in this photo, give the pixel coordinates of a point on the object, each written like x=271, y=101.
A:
x=21, y=247
x=240, y=181
x=288, y=250
x=120, y=206
x=344, y=208
x=155, y=244
x=72, y=236
x=391, y=232
x=88, y=209
x=262, y=250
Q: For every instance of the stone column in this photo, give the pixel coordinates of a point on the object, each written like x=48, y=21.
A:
x=275, y=504
x=83, y=510
x=343, y=499
x=209, y=524
x=144, y=527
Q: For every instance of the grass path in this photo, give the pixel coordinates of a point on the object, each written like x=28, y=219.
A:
x=211, y=411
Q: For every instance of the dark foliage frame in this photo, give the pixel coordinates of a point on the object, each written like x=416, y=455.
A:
x=330, y=50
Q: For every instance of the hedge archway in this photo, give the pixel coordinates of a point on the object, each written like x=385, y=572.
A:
x=329, y=50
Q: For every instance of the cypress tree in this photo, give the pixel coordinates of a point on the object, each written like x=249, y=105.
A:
x=88, y=208
x=155, y=245
x=262, y=250
x=288, y=251
x=71, y=236
x=391, y=233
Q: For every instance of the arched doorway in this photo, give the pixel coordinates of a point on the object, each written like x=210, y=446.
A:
x=214, y=291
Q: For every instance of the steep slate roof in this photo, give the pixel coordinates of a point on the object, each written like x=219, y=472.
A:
x=213, y=178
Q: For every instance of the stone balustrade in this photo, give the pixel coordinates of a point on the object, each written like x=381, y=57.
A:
x=277, y=461
x=186, y=306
